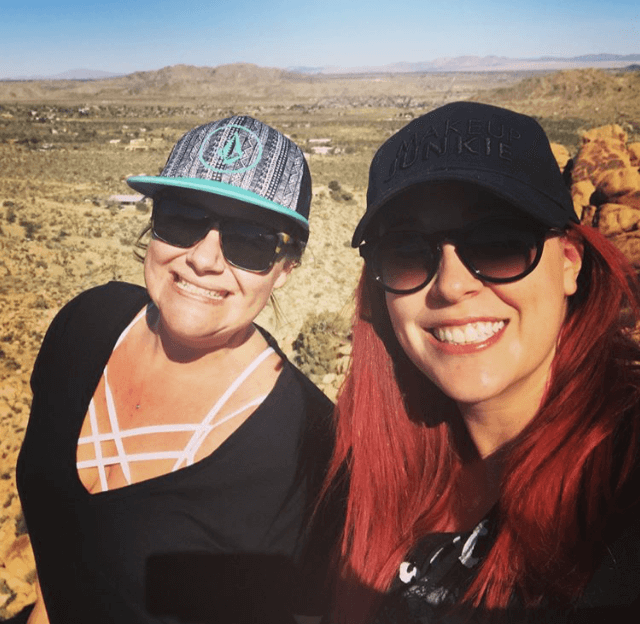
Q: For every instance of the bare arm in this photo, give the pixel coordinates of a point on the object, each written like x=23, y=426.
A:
x=39, y=613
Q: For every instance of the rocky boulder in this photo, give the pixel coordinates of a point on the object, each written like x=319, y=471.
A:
x=606, y=187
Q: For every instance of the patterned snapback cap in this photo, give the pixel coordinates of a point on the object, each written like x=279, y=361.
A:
x=240, y=158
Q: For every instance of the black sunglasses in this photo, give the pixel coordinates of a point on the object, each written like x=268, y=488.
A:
x=245, y=245
x=498, y=251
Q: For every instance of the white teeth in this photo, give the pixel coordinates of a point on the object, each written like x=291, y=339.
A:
x=192, y=288
x=468, y=334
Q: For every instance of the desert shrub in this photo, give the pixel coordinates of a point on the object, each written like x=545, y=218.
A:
x=5, y=590
x=337, y=193
x=10, y=217
x=41, y=303
x=319, y=342
x=11, y=364
x=564, y=131
x=30, y=227
x=21, y=525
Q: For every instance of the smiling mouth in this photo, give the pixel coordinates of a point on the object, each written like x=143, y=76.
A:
x=196, y=290
x=471, y=333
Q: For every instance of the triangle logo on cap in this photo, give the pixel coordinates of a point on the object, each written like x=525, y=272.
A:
x=231, y=149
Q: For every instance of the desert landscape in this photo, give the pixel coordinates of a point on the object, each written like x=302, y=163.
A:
x=68, y=221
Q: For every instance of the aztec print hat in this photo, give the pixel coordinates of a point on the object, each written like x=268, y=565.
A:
x=238, y=166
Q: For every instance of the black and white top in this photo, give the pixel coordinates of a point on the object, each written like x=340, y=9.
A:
x=220, y=540
x=435, y=575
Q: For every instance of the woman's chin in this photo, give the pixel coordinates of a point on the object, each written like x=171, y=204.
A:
x=471, y=389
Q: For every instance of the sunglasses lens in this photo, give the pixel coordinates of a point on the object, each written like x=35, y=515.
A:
x=500, y=251
x=179, y=224
x=496, y=251
x=245, y=245
x=404, y=261
x=249, y=246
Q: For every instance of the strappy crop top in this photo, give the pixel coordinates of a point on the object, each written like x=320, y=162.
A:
x=183, y=457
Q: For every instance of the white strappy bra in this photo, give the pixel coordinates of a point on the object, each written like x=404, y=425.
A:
x=184, y=457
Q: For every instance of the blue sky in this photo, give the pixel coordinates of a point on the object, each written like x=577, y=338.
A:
x=45, y=37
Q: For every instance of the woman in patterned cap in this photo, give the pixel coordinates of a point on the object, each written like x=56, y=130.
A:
x=173, y=453
x=489, y=428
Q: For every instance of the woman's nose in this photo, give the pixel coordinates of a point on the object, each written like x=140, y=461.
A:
x=206, y=255
x=453, y=281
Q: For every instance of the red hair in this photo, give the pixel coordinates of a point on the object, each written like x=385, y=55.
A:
x=398, y=450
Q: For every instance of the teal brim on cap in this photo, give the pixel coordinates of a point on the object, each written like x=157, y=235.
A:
x=149, y=185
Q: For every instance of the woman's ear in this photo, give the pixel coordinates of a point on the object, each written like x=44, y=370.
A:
x=573, y=252
x=285, y=270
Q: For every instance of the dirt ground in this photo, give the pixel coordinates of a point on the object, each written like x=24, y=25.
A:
x=66, y=150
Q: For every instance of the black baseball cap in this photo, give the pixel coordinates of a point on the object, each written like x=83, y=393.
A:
x=502, y=151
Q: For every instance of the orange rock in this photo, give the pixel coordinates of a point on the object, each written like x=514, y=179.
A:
x=615, y=219
x=596, y=158
x=581, y=192
x=619, y=182
x=23, y=592
x=606, y=187
x=16, y=584
x=613, y=131
x=561, y=154
x=629, y=245
x=632, y=199
x=586, y=214
x=19, y=568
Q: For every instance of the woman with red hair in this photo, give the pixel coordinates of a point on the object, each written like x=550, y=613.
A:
x=488, y=429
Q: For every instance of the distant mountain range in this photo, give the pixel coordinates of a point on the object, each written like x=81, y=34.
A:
x=446, y=64
x=482, y=63
x=73, y=74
